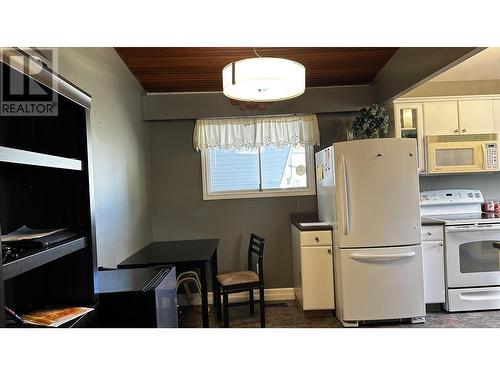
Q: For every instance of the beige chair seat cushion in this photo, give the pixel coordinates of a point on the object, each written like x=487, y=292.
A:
x=234, y=278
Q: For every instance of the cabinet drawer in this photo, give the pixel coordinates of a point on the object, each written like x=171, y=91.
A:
x=316, y=238
x=432, y=232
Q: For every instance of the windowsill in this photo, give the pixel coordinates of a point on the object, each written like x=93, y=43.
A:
x=258, y=194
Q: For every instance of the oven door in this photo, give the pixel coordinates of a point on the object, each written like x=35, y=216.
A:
x=471, y=259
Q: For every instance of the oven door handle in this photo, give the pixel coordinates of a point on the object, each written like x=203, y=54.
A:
x=472, y=228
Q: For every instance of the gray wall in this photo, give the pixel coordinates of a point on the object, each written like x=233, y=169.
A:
x=120, y=150
x=179, y=212
x=182, y=106
x=410, y=67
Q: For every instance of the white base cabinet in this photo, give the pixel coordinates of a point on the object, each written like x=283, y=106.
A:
x=312, y=256
x=433, y=260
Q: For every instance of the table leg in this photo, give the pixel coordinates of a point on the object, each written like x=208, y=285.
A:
x=215, y=289
x=204, y=294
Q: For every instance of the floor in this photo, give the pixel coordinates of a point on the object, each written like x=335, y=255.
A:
x=287, y=314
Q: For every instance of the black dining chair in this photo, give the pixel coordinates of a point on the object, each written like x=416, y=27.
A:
x=235, y=282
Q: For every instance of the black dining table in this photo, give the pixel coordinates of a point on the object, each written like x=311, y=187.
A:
x=185, y=255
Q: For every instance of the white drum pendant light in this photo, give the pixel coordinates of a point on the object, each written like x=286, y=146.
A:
x=263, y=79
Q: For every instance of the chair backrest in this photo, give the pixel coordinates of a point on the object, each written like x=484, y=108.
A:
x=256, y=246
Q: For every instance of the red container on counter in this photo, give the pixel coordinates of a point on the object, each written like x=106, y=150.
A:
x=488, y=206
x=491, y=205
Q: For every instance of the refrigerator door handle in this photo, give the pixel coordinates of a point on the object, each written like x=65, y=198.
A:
x=382, y=256
x=347, y=219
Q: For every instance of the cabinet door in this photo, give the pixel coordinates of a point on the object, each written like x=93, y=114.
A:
x=408, y=123
x=433, y=258
x=475, y=116
x=317, y=277
x=441, y=117
x=496, y=116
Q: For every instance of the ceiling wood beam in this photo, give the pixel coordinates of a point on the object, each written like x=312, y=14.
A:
x=410, y=67
x=199, y=105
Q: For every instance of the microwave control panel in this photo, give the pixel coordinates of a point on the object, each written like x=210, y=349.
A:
x=491, y=157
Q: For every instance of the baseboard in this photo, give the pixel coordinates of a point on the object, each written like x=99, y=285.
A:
x=275, y=294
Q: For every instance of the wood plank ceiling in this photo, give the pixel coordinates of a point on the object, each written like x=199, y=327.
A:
x=199, y=69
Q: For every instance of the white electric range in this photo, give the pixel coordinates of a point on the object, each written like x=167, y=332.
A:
x=472, y=264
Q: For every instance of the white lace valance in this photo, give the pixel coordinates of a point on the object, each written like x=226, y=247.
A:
x=252, y=132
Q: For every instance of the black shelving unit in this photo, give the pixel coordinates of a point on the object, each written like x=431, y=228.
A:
x=40, y=257
x=46, y=182
x=16, y=156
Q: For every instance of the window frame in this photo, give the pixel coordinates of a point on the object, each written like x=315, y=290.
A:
x=265, y=193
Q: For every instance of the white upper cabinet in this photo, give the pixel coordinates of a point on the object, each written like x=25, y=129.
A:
x=444, y=115
x=475, y=116
x=441, y=117
x=467, y=116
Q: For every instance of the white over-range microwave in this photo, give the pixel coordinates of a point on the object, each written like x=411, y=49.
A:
x=462, y=153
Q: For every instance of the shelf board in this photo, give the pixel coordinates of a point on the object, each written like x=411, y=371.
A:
x=406, y=129
x=40, y=258
x=17, y=156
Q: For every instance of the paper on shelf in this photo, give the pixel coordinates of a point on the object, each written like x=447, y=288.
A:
x=319, y=223
x=54, y=316
x=25, y=233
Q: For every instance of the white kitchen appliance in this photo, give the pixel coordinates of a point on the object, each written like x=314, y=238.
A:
x=368, y=191
x=472, y=263
x=462, y=153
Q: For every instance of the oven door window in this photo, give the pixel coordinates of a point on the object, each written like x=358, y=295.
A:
x=449, y=157
x=479, y=256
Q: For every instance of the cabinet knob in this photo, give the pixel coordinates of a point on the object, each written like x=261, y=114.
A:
x=464, y=130
x=329, y=251
x=429, y=233
x=317, y=239
x=456, y=130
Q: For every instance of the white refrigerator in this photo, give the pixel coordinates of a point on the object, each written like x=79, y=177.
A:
x=369, y=191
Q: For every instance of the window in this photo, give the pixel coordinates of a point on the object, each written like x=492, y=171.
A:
x=262, y=172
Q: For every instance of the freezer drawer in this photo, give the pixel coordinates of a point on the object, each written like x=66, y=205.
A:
x=381, y=283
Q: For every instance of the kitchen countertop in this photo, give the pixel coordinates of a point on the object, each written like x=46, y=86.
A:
x=429, y=221
x=298, y=219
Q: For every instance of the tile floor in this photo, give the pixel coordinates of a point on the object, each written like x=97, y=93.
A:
x=287, y=314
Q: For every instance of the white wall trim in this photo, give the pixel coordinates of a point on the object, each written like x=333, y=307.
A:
x=275, y=294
